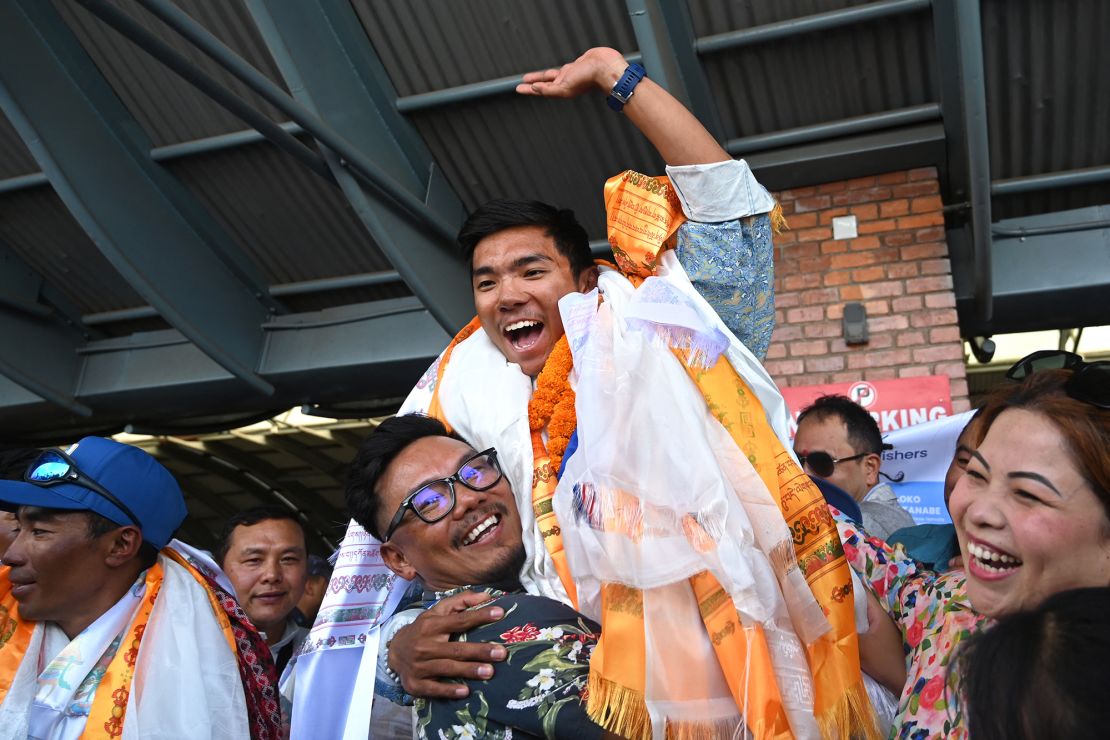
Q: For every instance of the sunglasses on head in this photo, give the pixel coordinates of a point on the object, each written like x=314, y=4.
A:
x=54, y=467
x=1089, y=382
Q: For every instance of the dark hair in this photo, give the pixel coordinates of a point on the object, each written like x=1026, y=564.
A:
x=375, y=454
x=560, y=224
x=99, y=525
x=249, y=518
x=1084, y=426
x=863, y=430
x=318, y=567
x=1040, y=673
x=14, y=462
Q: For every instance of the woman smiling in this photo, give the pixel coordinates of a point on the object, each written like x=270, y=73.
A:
x=1032, y=515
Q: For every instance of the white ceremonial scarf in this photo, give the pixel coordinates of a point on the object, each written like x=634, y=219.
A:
x=653, y=462
x=69, y=681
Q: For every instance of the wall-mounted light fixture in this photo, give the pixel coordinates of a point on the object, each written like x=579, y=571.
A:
x=855, y=324
x=983, y=348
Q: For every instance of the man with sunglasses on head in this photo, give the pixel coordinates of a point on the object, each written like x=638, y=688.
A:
x=838, y=441
x=106, y=624
x=446, y=518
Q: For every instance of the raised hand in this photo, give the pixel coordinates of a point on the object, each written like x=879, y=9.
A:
x=596, y=70
x=676, y=134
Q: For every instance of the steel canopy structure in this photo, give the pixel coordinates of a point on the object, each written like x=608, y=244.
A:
x=213, y=211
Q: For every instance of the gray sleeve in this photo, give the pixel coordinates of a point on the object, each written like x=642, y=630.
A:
x=882, y=519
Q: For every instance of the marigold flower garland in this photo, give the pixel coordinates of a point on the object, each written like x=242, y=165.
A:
x=552, y=403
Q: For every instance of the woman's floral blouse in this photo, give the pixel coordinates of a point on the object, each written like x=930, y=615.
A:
x=934, y=615
x=538, y=691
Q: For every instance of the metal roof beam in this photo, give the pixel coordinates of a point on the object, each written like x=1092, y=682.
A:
x=219, y=94
x=665, y=35
x=1051, y=181
x=1051, y=271
x=98, y=161
x=326, y=58
x=415, y=229
x=958, y=34
x=673, y=13
x=850, y=156
x=41, y=343
x=304, y=287
x=849, y=16
x=20, y=286
x=315, y=357
x=40, y=355
x=170, y=152
x=833, y=129
x=469, y=93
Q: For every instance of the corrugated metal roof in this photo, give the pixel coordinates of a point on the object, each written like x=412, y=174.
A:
x=508, y=146
x=429, y=45
x=869, y=68
x=40, y=229
x=1048, y=96
x=560, y=152
x=169, y=109
x=293, y=225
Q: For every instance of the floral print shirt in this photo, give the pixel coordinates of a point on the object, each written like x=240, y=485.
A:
x=934, y=616
x=537, y=691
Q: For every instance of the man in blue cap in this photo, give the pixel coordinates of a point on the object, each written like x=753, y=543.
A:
x=102, y=621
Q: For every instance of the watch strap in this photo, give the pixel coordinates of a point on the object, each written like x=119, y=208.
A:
x=626, y=85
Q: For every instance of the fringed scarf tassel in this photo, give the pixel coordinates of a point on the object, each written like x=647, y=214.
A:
x=851, y=717
x=616, y=708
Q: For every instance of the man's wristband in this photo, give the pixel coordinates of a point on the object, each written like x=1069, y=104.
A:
x=626, y=85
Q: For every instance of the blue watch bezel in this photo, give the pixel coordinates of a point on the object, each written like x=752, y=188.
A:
x=626, y=85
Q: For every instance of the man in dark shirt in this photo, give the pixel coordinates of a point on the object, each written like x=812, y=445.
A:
x=445, y=514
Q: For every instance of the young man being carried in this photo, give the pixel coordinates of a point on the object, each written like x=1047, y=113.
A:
x=506, y=381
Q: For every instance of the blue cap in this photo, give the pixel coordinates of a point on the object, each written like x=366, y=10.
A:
x=128, y=473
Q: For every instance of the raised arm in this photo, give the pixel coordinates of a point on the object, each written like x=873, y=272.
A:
x=725, y=247
x=674, y=131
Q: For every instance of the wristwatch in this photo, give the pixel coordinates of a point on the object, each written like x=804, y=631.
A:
x=622, y=91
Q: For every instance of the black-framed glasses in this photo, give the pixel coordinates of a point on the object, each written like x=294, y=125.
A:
x=54, y=467
x=823, y=464
x=1089, y=382
x=436, y=499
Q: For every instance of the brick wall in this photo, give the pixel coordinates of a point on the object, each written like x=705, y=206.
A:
x=897, y=267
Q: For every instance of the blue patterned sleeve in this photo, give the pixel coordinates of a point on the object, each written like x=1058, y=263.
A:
x=731, y=265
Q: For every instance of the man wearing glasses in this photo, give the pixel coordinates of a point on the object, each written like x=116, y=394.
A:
x=446, y=515
x=839, y=441
x=104, y=621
